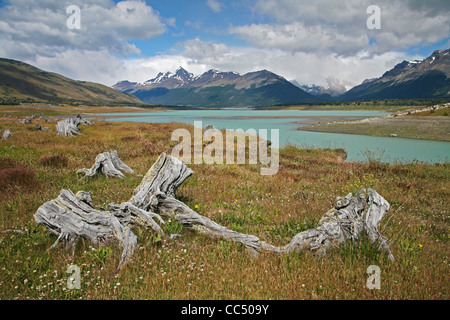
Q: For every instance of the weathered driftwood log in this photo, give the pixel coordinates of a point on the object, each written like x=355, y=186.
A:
x=70, y=216
x=69, y=127
x=347, y=221
x=109, y=164
x=73, y=216
x=350, y=217
x=6, y=134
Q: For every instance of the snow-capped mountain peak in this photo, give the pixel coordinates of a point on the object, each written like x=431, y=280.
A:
x=174, y=80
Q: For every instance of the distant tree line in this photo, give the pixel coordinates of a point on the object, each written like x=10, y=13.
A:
x=11, y=101
x=72, y=102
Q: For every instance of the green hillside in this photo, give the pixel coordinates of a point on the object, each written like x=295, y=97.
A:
x=19, y=80
x=425, y=79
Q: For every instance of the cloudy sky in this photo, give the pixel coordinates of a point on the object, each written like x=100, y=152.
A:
x=322, y=42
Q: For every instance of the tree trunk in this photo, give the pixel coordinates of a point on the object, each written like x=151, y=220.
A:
x=109, y=164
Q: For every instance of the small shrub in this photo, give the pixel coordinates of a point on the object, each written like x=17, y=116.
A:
x=8, y=163
x=130, y=138
x=13, y=174
x=172, y=227
x=100, y=255
x=356, y=184
x=363, y=248
x=57, y=161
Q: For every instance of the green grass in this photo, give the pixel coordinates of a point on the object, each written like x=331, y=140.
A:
x=274, y=208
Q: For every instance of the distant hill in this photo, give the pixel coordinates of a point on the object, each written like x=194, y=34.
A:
x=20, y=80
x=428, y=78
x=217, y=89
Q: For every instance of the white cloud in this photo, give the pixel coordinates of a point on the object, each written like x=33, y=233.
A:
x=300, y=37
x=215, y=5
x=197, y=57
x=194, y=24
x=330, y=25
x=95, y=66
x=105, y=25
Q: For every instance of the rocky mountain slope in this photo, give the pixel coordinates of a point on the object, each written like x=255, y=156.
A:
x=428, y=78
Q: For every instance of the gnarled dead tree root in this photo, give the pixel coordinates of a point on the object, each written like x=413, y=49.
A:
x=109, y=164
x=72, y=216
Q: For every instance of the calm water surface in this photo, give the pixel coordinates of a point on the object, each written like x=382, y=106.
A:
x=385, y=149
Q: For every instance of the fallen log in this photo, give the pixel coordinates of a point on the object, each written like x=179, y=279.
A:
x=350, y=217
x=109, y=164
x=155, y=198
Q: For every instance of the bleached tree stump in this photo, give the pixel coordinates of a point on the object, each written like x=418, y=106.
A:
x=69, y=127
x=6, y=134
x=73, y=216
x=109, y=164
x=70, y=217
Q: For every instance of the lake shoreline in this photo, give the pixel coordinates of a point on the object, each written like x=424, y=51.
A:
x=405, y=125
x=287, y=122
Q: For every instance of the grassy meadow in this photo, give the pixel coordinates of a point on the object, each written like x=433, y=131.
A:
x=36, y=165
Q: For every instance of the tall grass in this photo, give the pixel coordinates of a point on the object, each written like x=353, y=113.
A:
x=274, y=208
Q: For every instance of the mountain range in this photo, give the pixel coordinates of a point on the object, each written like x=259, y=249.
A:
x=428, y=78
x=19, y=80
x=217, y=89
x=417, y=79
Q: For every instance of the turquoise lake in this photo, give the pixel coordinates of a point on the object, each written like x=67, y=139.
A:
x=385, y=149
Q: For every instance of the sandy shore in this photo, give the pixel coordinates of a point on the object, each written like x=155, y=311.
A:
x=407, y=124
